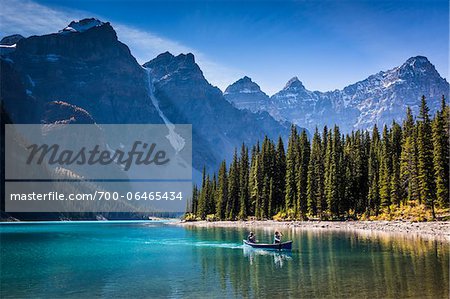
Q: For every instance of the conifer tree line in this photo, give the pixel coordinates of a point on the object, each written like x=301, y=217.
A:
x=333, y=175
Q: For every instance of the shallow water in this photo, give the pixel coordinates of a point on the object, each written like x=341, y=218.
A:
x=157, y=259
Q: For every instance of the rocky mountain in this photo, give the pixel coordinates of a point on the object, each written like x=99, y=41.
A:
x=84, y=74
x=185, y=96
x=379, y=99
x=246, y=94
x=89, y=69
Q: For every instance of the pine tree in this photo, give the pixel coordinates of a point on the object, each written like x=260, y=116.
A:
x=193, y=206
x=385, y=169
x=212, y=189
x=365, y=182
x=304, y=149
x=425, y=156
x=348, y=174
x=254, y=181
x=354, y=173
x=222, y=191
x=408, y=160
x=267, y=171
x=334, y=172
x=328, y=187
x=232, y=208
x=279, y=180
x=325, y=140
x=441, y=156
x=396, y=149
x=360, y=160
x=202, y=200
x=291, y=170
x=325, y=159
x=243, y=183
x=271, y=194
x=374, y=170
x=315, y=192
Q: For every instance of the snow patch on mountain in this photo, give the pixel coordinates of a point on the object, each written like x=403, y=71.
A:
x=82, y=25
x=174, y=138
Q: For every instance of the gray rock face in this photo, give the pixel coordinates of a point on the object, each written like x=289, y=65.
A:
x=383, y=97
x=89, y=69
x=65, y=113
x=246, y=94
x=185, y=96
x=379, y=99
x=11, y=39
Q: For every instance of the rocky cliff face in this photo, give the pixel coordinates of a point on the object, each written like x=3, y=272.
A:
x=89, y=69
x=384, y=96
x=246, y=94
x=185, y=96
x=379, y=99
x=83, y=74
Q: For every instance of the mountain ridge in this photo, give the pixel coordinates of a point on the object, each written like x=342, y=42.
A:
x=380, y=98
x=84, y=74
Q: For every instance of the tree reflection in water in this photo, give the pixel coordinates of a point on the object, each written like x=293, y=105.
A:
x=323, y=264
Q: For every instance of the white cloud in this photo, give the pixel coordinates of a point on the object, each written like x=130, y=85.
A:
x=31, y=18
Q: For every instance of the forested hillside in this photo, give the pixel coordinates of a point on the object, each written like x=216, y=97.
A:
x=334, y=176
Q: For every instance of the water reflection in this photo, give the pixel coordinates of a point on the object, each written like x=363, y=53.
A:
x=279, y=257
x=328, y=264
x=141, y=261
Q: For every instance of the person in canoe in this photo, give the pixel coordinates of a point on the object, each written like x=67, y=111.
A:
x=251, y=237
x=277, y=237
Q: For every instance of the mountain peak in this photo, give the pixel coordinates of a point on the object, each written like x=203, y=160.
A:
x=245, y=80
x=165, y=55
x=83, y=25
x=11, y=39
x=181, y=66
x=418, y=66
x=418, y=62
x=246, y=94
x=294, y=82
x=167, y=58
x=418, y=59
x=245, y=85
x=189, y=58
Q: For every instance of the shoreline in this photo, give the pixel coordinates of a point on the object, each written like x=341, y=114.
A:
x=433, y=230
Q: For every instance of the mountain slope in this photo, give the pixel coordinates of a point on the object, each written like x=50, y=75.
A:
x=89, y=69
x=185, y=96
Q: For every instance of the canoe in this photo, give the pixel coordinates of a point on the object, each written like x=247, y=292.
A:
x=285, y=245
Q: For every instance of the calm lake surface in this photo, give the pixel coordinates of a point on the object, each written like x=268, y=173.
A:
x=148, y=259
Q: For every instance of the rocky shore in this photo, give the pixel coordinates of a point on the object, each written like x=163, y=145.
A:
x=435, y=230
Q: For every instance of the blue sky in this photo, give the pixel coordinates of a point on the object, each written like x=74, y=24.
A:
x=327, y=44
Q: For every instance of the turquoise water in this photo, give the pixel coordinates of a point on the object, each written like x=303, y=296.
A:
x=156, y=259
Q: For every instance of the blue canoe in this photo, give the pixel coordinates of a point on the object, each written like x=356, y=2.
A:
x=285, y=245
